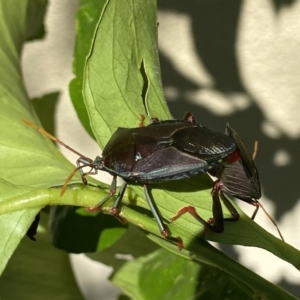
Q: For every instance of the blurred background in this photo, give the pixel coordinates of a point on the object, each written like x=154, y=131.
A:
x=225, y=61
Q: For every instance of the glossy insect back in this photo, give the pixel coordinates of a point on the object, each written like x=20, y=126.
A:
x=163, y=151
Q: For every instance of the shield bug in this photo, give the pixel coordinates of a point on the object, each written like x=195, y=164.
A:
x=173, y=150
x=162, y=151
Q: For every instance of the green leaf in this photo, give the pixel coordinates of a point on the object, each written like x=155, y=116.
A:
x=122, y=78
x=121, y=81
x=52, y=275
x=27, y=158
x=87, y=17
x=94, y=231
x=36, y=10
x=196, y=248
x=45, y=108
x=134, y=243
x=162, y=275
x=13, y=225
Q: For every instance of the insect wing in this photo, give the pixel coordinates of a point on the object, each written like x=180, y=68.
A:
x=156, y=158
x=205, y=144
x=188, y=137
x=168, y=164
x=236, y=182
x=246, y=160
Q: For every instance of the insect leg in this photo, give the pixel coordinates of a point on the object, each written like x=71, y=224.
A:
x=142, y=119
x=257, y=205
x=235, y=215
x=218, y=219
x=162, y=227
x=81, y=162
x=215, y=223
x=192, y=211
x=115, y=208
x=112, y=192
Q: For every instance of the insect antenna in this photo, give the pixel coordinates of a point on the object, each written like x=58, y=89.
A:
x=87, y=162
x=79, y=168
x=258, y=204
x=52, y=137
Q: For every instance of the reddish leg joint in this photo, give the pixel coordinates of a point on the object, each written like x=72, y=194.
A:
x=178, y=241
x=187, y=209
x=142, y=119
